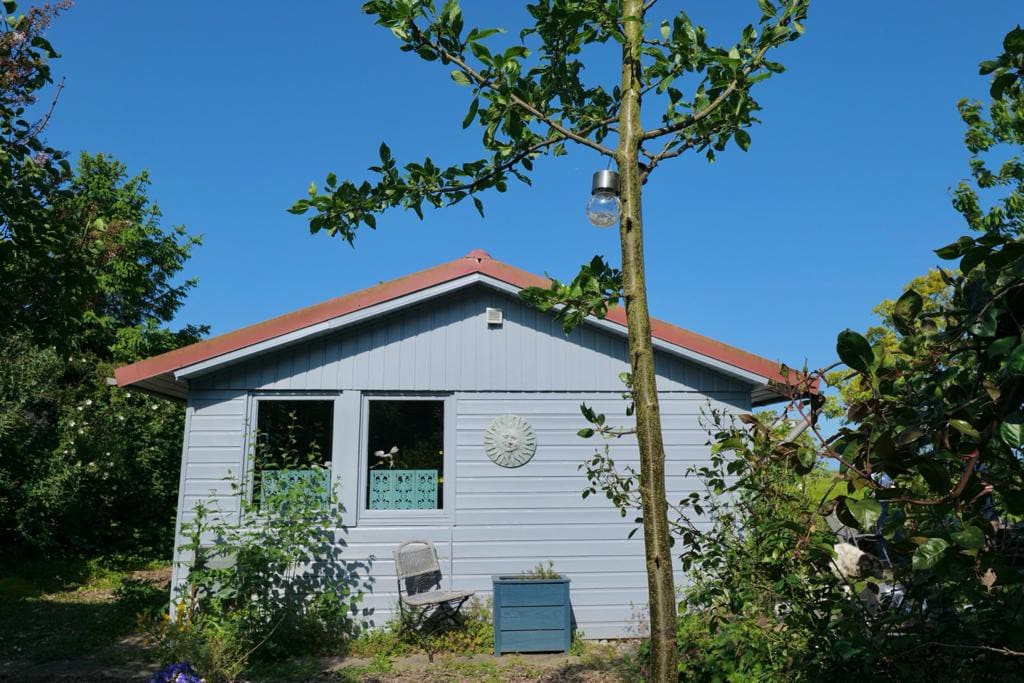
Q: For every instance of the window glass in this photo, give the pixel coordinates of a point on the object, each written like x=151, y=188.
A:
x=405, y=440
x=293, y=443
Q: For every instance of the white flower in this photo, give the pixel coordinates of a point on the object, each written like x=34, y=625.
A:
x=154, y=406
x=129, y=394
x=378, y=454
x=88, y=401
x=81, y=431
x=72, y=424
x=79, y=408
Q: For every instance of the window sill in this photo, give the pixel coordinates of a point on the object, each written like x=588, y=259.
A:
x=369, y=517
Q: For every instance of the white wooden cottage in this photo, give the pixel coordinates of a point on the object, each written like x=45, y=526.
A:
x=407, y=376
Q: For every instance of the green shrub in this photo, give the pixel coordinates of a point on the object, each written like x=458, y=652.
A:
x=271, y=585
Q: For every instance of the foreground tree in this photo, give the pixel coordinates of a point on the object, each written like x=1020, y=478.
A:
x=932, y=453
x=90, y=278
x=530, y=99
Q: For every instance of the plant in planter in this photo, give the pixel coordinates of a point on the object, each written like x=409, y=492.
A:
x=532, y=612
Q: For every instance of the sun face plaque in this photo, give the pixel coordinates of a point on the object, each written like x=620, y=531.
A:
x=509, y=441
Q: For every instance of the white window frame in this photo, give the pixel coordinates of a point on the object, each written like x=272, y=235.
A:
x=446, y=513
x=255, y=397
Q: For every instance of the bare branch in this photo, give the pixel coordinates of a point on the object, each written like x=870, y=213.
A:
x=43, y=122
x=666, y=153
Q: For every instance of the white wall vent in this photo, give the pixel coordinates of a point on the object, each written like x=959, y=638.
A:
x=494, y=316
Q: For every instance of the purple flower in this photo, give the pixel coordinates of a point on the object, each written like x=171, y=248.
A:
x=180, y=672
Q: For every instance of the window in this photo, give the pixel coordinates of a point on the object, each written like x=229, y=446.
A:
x=293, y=443
x=405, y=454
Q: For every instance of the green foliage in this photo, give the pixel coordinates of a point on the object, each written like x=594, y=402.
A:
x=529, y=97
x=30, y=170
x=541, y=571
x=930, y=455
x=84, y=468
x=762, y=602
x=932, y=291
x=90, y=280
x=592, y=292
x=264, y=584
x=96, y=272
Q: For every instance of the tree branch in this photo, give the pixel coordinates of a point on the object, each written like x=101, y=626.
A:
x=715, y=104
x=42, y=123
x=528, y=107
x=665, y=153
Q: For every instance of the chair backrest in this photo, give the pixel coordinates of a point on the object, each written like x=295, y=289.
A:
x=417, y=567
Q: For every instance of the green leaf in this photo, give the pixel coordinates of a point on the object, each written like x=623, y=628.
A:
x=742, y=139
x=461, y=78
x=10, y=6
x=970, y=537
x=935, y=474
x=928, y=554
x=1000, y=347
x=855, y=351
x=474, y=106
x=1015, y=363
x=1014, y=40
x=585, y=433
x=905, y=311
x=965, y=428
x=1011, y=430
x=1000, y=83
x=479, y=206
x=954, y=250
x=988, y=66
x=866, y=511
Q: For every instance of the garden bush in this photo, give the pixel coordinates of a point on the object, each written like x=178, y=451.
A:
x=262, y=585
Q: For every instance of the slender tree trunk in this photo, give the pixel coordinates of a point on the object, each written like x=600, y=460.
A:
x=660, y=584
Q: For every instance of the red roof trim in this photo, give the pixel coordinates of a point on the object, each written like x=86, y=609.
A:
x=477, y=261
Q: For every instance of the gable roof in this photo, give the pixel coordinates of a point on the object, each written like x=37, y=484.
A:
x=164, y=374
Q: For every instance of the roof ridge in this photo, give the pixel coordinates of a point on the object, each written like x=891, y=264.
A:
x=476, y=261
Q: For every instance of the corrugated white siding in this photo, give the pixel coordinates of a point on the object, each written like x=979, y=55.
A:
x=505, y=520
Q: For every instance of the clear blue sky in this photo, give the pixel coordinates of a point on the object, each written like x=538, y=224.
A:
x=235, y=107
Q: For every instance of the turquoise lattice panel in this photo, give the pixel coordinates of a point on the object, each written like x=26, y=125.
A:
x=273, y=482
x=403, y=489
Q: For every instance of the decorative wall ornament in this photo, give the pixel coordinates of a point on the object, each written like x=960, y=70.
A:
x=509, y=441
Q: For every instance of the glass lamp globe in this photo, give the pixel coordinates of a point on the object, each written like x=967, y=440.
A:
x=603, y=206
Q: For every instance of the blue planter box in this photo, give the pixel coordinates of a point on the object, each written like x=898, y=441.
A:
x=531, y=615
